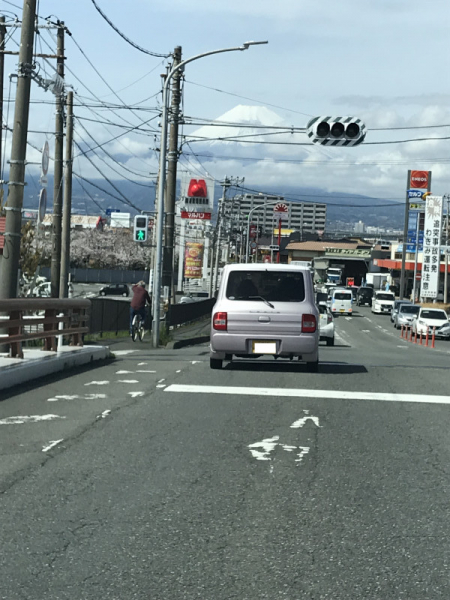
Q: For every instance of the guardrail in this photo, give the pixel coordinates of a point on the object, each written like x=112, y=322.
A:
x=184, y=313
x=45, y=319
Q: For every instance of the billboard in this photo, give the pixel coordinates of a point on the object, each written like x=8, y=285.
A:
x=193, y=260
x=419, y=179
x=197, y=193
x=432, y=247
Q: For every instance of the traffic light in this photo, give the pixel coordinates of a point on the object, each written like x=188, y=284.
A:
x=336, y=131
x=140, y=229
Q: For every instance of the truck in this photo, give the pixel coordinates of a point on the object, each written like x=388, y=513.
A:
x=376, y=280
x=334, y=275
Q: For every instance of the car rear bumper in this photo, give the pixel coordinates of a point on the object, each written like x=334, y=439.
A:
x=304, y=345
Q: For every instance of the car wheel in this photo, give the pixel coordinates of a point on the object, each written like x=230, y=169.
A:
x=330, y=341
x=312, y=367
x=215, y=363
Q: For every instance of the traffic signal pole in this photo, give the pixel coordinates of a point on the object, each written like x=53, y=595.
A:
x=11, y=250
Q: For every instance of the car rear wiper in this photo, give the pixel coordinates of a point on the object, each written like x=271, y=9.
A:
x=263, y=299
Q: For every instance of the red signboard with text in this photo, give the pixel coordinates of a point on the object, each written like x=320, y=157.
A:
x=419, y=179
x=203, y=216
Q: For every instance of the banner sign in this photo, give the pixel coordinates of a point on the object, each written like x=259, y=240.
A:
x=419, y=180
x=195, y=215
x=431, y=247
x=193, y=260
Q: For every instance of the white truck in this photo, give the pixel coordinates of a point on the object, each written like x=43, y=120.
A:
x=334, y=275
x=376, y=280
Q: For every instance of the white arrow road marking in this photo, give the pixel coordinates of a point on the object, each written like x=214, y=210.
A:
x=51, y=445
x=267, y=446
x=127, y=381
x=123, y=372
x=305, y=393
x=303, y=420
x=28, y=419
x=97, y=383
x=104, y=414
x=135, y=394
x=303, y=451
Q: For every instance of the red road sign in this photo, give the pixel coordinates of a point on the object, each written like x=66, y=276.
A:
x=203, y=216
x=419, y=179
x=280, y=211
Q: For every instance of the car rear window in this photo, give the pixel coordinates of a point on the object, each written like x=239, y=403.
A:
x=433, y=314
x=322, y=309
x=385, y=297
x=343, y=296
x=410, y=310
x=274, y=286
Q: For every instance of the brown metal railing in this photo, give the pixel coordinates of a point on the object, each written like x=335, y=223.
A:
x=52, y=317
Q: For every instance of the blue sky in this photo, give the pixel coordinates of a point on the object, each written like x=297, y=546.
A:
x=385, y=61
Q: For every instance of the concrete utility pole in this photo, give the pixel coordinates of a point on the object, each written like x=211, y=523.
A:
x=226, y=183
x=58, y=173
x=2, y=75
x=11, y=250
x=65, y=243
x=446, y=197
x=171, y=183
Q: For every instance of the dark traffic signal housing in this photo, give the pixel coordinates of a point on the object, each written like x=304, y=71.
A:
x=140, y=229
x=336, y=131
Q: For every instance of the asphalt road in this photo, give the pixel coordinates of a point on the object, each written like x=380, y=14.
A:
x=260, y=481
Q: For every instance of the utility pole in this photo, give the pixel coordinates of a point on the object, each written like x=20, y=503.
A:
x=65, y=243
x=11, y=250
x=2, y=75
x=171, y=183
x=58, y=173
x=226, y=183
x=447, y=197
x=405, y=239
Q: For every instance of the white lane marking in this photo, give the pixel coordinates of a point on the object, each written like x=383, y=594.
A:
x=403, y=347
x=135, y=394
x=19, y=420
x=97, y=383
x=348, y=318
x=302, y=421
x=161, y=380
x=266, y=446
x=123, y=372
x=51, y=445
x=368, y=318
x=288, y=448
x=179, y=371
x=104, y=414
x=75, y=397
x=123, y=352
x=304, y=393
x=127, y=381
x=141, y=371
x=195, y=362
x=142, y=364
x=365, y=331
x=161, y=385
x=303, y=451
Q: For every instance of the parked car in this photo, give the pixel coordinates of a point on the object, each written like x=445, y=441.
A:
x=382, y=302
x=364, y=296
x=405, y=314
x=326, y=324
x=396, y=307
x=443, y=331
x=115, y=289
x=428, y=318
x=265, y=310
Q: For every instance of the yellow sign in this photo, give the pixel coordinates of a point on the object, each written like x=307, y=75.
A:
x=283, y=231
x=357, y=252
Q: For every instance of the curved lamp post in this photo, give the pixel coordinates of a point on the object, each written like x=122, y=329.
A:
x=157, y=267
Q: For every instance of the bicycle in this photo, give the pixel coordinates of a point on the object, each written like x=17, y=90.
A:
x=137, y=328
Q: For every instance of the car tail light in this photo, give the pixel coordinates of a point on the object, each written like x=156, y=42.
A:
x=309, y=323
x=220, y=321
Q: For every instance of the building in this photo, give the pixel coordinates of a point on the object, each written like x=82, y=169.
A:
x=301, y=216
x=359, y=227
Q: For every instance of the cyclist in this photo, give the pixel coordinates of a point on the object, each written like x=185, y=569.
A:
x=140, y=298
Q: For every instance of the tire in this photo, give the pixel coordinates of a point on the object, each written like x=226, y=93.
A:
x=330, y=341
x=140, y=331
x=215, y=363
x=312, y=367
x=133, y=333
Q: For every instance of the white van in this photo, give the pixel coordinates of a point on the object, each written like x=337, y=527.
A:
x=383, y=302
x=342, y=302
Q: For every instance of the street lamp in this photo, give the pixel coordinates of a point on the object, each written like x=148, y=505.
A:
x=251, y=211
x=157, y=267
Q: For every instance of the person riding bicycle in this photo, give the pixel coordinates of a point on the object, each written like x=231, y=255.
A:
x=140, y=298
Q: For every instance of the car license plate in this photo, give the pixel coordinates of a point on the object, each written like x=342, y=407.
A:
x=342, y=310
x=263, y=347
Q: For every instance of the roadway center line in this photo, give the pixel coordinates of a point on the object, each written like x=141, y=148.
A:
x=304, y=393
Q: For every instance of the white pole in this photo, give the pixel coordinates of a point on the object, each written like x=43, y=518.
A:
x=416, y=258
x=181, y=250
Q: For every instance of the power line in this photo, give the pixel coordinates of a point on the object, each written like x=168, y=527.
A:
x=128, y=203
x=122, y=35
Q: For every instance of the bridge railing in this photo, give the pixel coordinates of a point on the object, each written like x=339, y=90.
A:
x=25, y=319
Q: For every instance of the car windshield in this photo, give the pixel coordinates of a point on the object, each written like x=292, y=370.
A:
x=265, y=285
x=385, y=297
x=434, y=314
x=343, y=296
x=409, y=309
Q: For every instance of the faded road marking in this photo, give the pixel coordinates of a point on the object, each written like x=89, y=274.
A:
x=97, y=383
x=51, y=445
x=19, y=420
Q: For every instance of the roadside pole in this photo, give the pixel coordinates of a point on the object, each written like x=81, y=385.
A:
x=447, y=197
x=65, y=242
x=405, y=238
x=279, y=240
x=2, y=76
x=416, y=258
x=11, y=250
x=58, y=172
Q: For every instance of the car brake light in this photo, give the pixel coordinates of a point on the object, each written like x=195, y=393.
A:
x=309, y=323
x=220, y=321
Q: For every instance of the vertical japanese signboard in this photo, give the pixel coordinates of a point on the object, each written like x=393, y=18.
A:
x=431, y=247
x=193, y=260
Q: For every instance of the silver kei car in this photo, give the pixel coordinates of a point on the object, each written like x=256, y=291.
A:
x=265, y=309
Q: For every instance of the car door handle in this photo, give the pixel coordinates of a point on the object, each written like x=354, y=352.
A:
x=264, y=319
